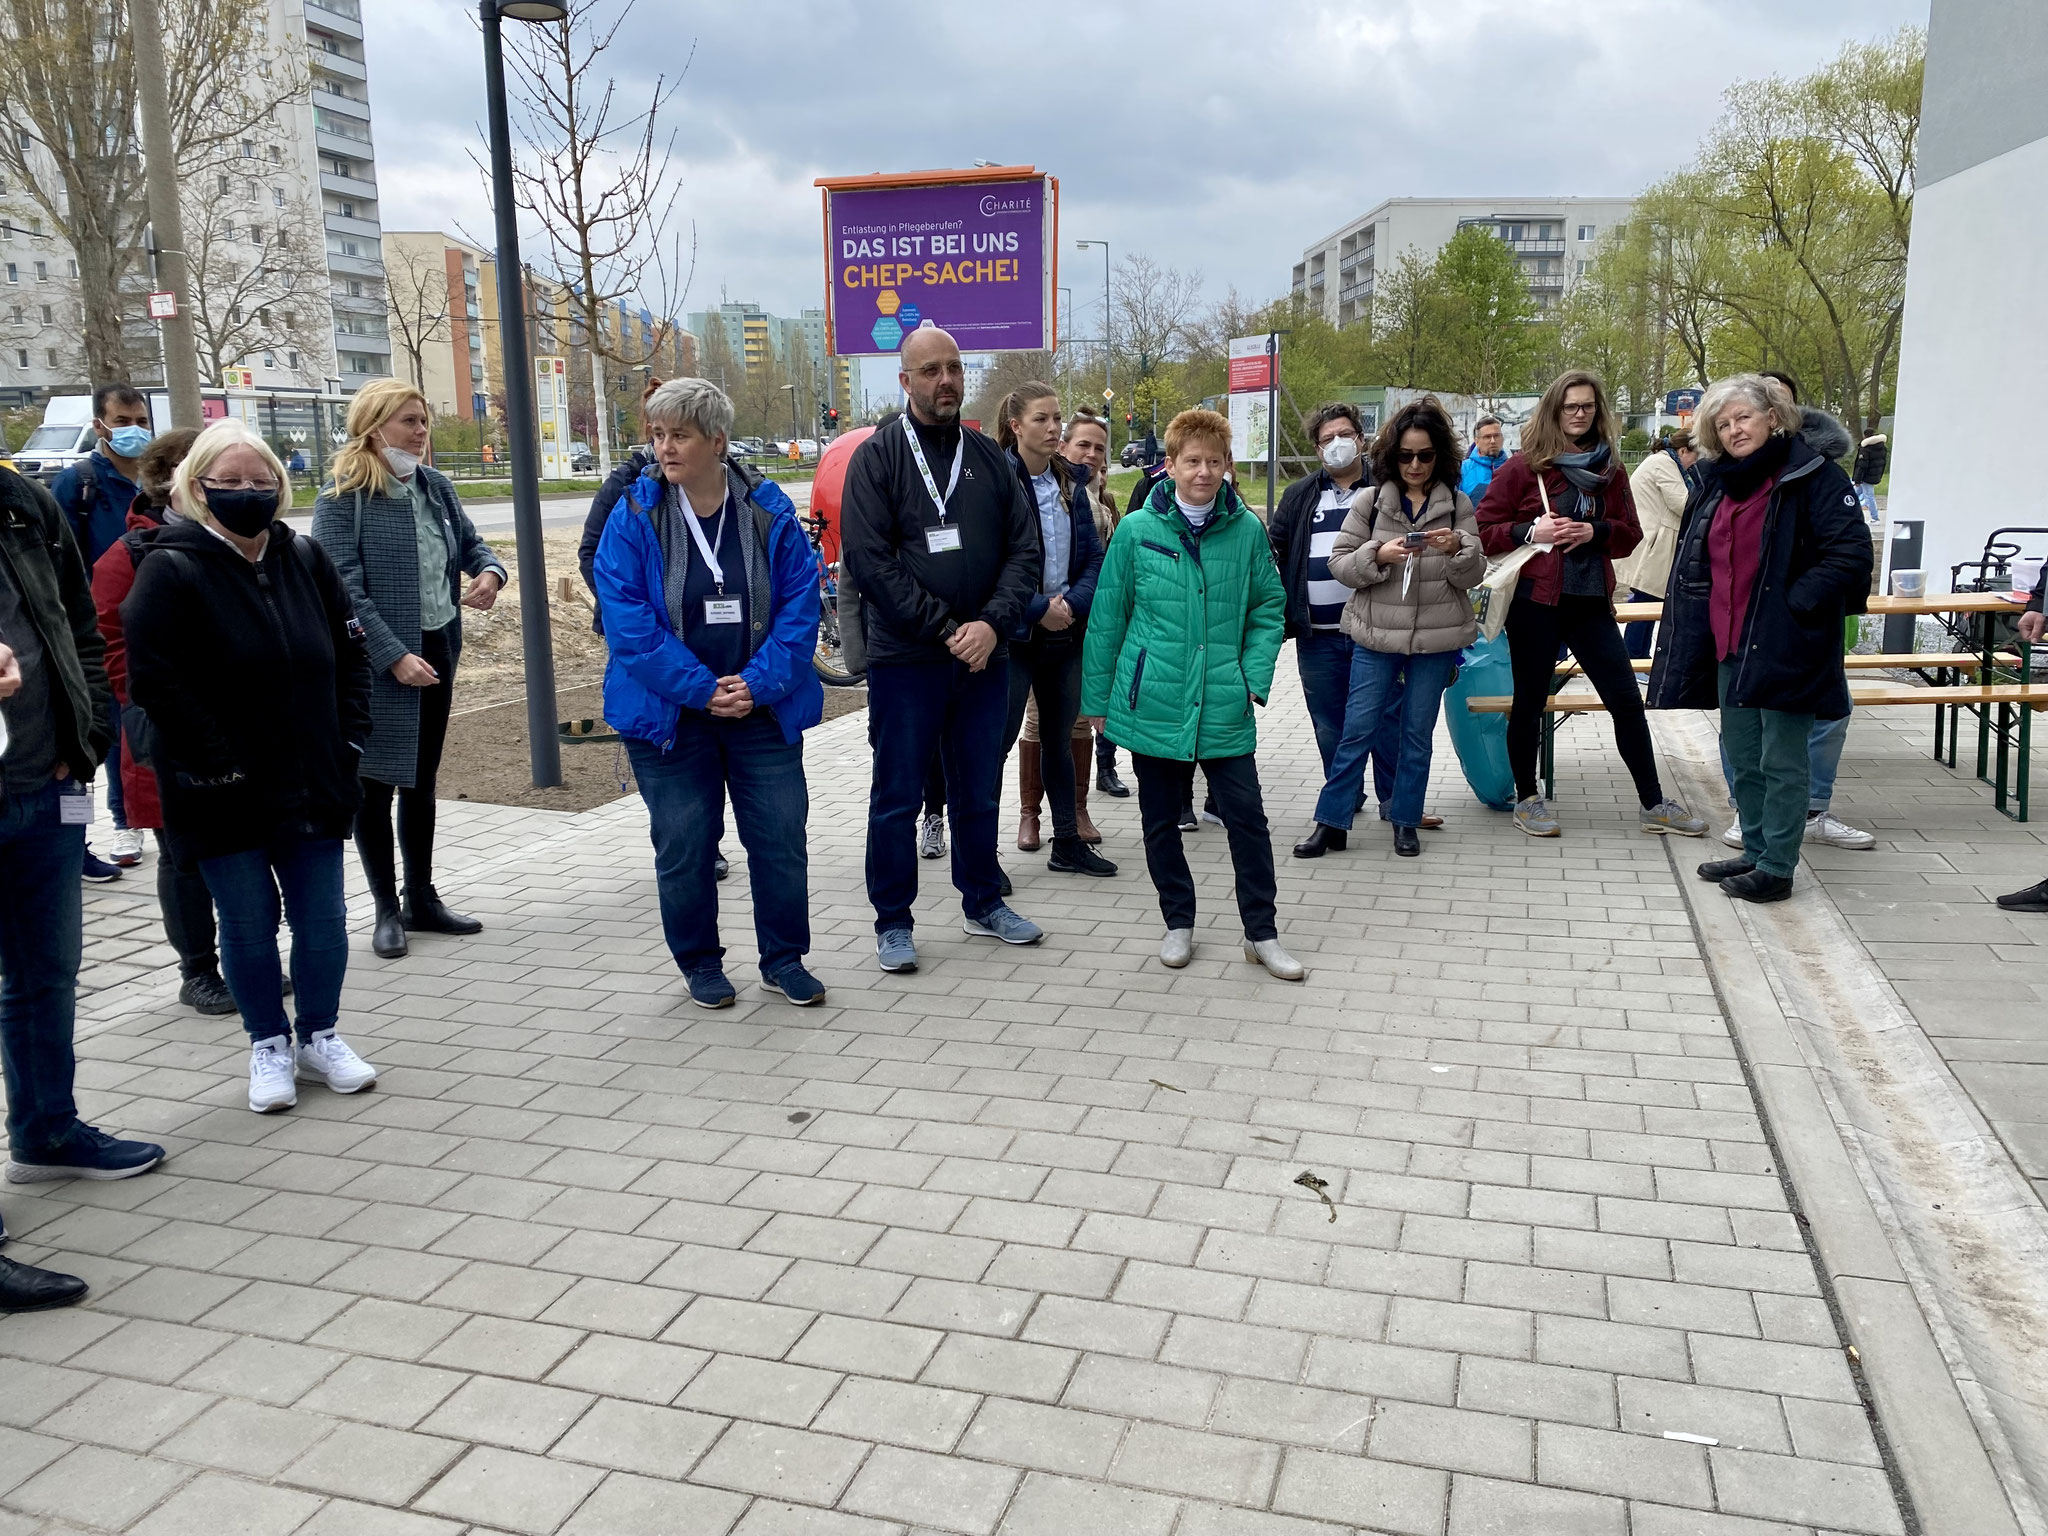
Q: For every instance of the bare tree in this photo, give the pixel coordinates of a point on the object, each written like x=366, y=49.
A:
x=416, y=289
x=67, y=96
x=600, y=177
x=1155, y=313
x=259, y=275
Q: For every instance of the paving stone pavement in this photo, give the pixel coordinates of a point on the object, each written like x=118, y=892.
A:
x=1010, y=1245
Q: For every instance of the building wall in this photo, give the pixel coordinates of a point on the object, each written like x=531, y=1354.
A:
x=1976, y=325
x=1555, y=240
x=335, y=139
x=453, y=356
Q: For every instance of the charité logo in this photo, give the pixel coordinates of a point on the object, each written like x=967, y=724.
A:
x=992, y=205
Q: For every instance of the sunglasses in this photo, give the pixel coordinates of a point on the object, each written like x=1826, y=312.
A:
x=1415, y=456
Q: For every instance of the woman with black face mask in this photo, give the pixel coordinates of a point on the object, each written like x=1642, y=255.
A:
x=247, y=661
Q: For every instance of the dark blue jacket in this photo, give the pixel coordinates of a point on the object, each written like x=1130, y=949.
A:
x=1084, y=552
x=652, y=676
x=1815, y=573
x=95, y=497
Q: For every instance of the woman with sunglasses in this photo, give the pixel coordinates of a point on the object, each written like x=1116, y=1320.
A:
x=1565, y=493
x=1410, y=551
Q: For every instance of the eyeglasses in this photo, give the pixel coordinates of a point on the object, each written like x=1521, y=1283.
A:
x=1415, y=456
x=238, y=485
x=1579, y=409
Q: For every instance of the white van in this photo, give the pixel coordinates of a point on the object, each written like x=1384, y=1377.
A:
x=66, y=435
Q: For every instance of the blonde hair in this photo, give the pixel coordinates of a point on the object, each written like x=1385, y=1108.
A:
x=358, y=466
x=189, y=496
x=1544, y=439
x=1205, y=426
x=1756, y=390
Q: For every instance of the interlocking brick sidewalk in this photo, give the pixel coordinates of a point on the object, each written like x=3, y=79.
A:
x=1009, y=1245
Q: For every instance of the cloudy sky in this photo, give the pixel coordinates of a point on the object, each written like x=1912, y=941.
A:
x=1211, y=135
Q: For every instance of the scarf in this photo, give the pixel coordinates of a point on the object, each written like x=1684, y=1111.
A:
x=1740, y=478
x=1585, y=568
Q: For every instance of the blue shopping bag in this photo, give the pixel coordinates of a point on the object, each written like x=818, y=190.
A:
x=1482, y=740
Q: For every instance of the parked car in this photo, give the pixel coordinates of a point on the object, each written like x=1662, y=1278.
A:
x=581, y=460
x=749, y=447
x=1133, y=453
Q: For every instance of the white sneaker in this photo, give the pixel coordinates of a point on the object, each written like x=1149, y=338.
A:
x=272, y=1085
x=931, y=839
x=125, y=847
x=327, y=1057
x=1822, y=827
x=1733, y=836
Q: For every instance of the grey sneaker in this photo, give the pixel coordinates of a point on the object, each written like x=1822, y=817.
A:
x=894, y=950
x=1667, y=815
x=1533, y=817
x=931, y=837
x=1002, y=923
x=1733, y=836
x=1821, y=827
x=1178, y=947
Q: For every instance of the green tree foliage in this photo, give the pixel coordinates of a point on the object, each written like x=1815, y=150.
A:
x=1486, y=342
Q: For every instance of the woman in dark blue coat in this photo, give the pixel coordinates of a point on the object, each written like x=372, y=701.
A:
x=1773, y=557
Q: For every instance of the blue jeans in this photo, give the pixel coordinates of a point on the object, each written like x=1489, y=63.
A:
x=1420, y=682
x=914, y=709
x=42, y=935
x=685, y=789
x=246, y=887
x=1639, y=635
x=1323, y=657
x=1823, y=762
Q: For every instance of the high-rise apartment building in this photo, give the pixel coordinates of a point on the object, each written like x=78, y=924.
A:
x=333, y=138
x=746, y=333
x=1554, y=240
x=433, y=289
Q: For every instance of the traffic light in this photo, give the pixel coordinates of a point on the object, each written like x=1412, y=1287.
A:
x=1129, y=418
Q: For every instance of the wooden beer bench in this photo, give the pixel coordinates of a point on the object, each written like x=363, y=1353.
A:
x=1996, y=692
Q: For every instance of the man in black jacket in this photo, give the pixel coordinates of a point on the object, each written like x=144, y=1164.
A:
x=942, y=544
x=57, y=728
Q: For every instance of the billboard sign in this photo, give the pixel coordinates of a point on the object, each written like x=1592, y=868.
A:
x=1251, y=364
x=975, y=252
x=551, y=408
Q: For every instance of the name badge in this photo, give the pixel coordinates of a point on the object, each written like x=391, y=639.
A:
x=74, y=809
x=721, y=610
x=942, y=538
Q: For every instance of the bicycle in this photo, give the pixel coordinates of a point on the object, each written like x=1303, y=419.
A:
x=829, y=660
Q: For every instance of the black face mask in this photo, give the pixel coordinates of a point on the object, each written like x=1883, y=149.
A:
x=245, y=512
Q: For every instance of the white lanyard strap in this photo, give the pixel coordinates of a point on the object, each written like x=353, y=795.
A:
x=709, y=550
x=924, y=469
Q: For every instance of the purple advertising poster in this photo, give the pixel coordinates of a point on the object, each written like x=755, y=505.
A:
x=970, y=258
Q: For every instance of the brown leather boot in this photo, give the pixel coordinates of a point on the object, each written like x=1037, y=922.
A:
x=1084, y=763
x=1030, y=790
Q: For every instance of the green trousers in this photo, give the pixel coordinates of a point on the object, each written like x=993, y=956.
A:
x=1767, y=761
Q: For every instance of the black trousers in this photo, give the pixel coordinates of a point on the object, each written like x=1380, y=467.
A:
x=1164, y=786
x=1586, y=625
x=415, y=805
x=188, y=914
x=1048, y=665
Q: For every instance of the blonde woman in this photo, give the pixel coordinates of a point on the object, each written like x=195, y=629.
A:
x=246, y=661
x=399, y=537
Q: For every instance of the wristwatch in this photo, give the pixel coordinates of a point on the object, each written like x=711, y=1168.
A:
x=949, y=629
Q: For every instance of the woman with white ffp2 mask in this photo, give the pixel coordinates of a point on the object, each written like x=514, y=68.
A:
x=398, y=534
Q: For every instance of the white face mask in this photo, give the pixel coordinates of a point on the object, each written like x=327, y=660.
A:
x=401, y=463
x=1340, y=453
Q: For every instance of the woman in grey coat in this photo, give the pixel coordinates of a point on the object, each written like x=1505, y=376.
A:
x=397, y=532
x=1410, y=549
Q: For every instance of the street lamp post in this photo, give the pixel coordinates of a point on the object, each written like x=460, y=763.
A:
x=544, y=747
x=1108, y=387
x=795, y=428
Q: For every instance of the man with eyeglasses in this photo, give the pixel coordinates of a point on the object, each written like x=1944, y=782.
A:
x=54, y=732
x=942, y=545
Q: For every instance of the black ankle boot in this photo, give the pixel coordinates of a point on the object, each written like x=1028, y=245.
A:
x=1071, y=856
x=1406, y=843
x=1714, y=871
x=425, y=913
x=387, y=938
x=1321, y=840
x=1758, y=886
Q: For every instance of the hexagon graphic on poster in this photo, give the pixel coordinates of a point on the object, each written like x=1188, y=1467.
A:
x=887, y=333
x=886, y=302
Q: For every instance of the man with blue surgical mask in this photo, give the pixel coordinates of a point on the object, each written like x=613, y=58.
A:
x=95, y=494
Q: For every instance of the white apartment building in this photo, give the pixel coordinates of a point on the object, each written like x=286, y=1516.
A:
x=334, y=139
x=1554, y=240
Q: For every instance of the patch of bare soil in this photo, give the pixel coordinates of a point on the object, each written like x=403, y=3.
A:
x=486, y=757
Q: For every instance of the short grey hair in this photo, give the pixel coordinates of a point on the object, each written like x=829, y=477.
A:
x=694, y=404
x=1766, y=396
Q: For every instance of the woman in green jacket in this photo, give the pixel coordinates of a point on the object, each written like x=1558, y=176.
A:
x=1182, y=640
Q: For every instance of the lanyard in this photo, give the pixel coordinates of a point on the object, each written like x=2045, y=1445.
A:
x=924, y=469
x=708, y=550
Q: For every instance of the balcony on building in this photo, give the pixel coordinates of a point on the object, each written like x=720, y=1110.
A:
x=358, y=265
x=1535, y=247
x=353, y=108
x=344, y=18
x=348, y=186
x=355, y=228
x=333, y=62
x=351, y=342
x=1544, y=282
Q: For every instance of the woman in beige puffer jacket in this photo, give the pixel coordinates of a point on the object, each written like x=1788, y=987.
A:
x=1410, y=548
